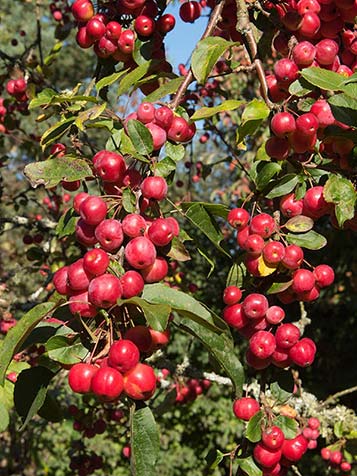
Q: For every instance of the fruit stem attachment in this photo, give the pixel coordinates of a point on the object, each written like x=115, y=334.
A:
x=189, y=78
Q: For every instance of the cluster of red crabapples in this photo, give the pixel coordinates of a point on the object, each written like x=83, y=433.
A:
x=120, y=372
x=317, y=33
x=112, y=31
x=87, y=282
x=163, y=124
x=275, y=453
x=190, y=390
x=334, y=458
x=256, y=236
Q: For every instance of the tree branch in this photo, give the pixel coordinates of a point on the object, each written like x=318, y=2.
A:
x=243, y=26
x=337, y=395
x=214, y=19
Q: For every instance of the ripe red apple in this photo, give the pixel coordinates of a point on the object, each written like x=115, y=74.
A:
x=246, y=407
x=80, y=377
x=107, y=384
x=140, y=382
x=123, y=355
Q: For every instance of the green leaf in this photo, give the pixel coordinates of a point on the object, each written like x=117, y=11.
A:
x=323, y=78
x=140, y=136
x=299, y=224
x=42, y=98
x=289, y=426
x=52, y=171
x=253, y=115
x=221, y=348
x=254, y=428
x=206, y=54
x=279, y=286
x=109, y=80
x=249, y=467
x=128, y=200
x=205, y=112
x=16, y=336
x=145, y=443
x=4, y=417
x=201, y=217
x=127, y=147
x=278, y=393
x=265, y=172
x=184, y=304
x=165, y=167
x=66, y=350
x=214, y=457
x=56, y=131
x=310, y=240
x=178, y=251
x=236, y=275
x=165, y=89
x=338, y=429
x=89, y=115
x=175, y=151
x=133, y=77
x=209, y=260
x=283, y=186
x=30, y=392
x=156, y=313
x=67, y=223
x=300, y=88
x=344, y=109
x=341, y=192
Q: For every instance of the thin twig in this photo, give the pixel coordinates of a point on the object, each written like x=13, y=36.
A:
x=243, y=26
x=39, y=34
x=337, y=395
x=214, y=19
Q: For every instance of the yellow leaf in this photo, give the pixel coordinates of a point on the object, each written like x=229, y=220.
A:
x=265, y=269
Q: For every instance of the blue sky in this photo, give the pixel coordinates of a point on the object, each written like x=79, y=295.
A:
x=182, y=39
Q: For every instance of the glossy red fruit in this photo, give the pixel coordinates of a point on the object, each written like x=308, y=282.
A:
x=303, y=352
x=178, y=130
x=234, y=316
x=110, y=235
x=126, y=42
x=322, y=110
x=304, y=53
x=95, y=261
x=190, y=11
x=60, y=280
x=245, y=407
x=95, y=29
x=315, y=204
x=255, y=305
x=263, y=225
x=307, y=124
x=293, y=258
x=324, y=275
x=85, y=233
x=290, y=207
x=163, y=117
x=274, y=315
x=82, y=10
x=238, y=218
x=254, y=244
x=313, y=423
x=109, y=166
x=262, y=344
x=282, y=124
x=287, y=335
x=154, y=187
x=104, y=290
x=294, y=449
x=140, y=382
x=326, y=51
x=144, y=26
x=277, y=148
x=134, y=225
x=80, y=377
x=93, y=210
x=286, y=70
x=78, y=277
x=266, y=457
x=155, y=272
x=232, y=295
x=273, y=252
x=123, y=355
x=113, y=30
x=78, y=199
x=140, y=252
x=273, y=438
x=325, y=453
x=107, y=384
x=158, y=135
x=132, y=284
x=159, y=339
x=303, y=281
x=165, y=23
x=79, y=304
